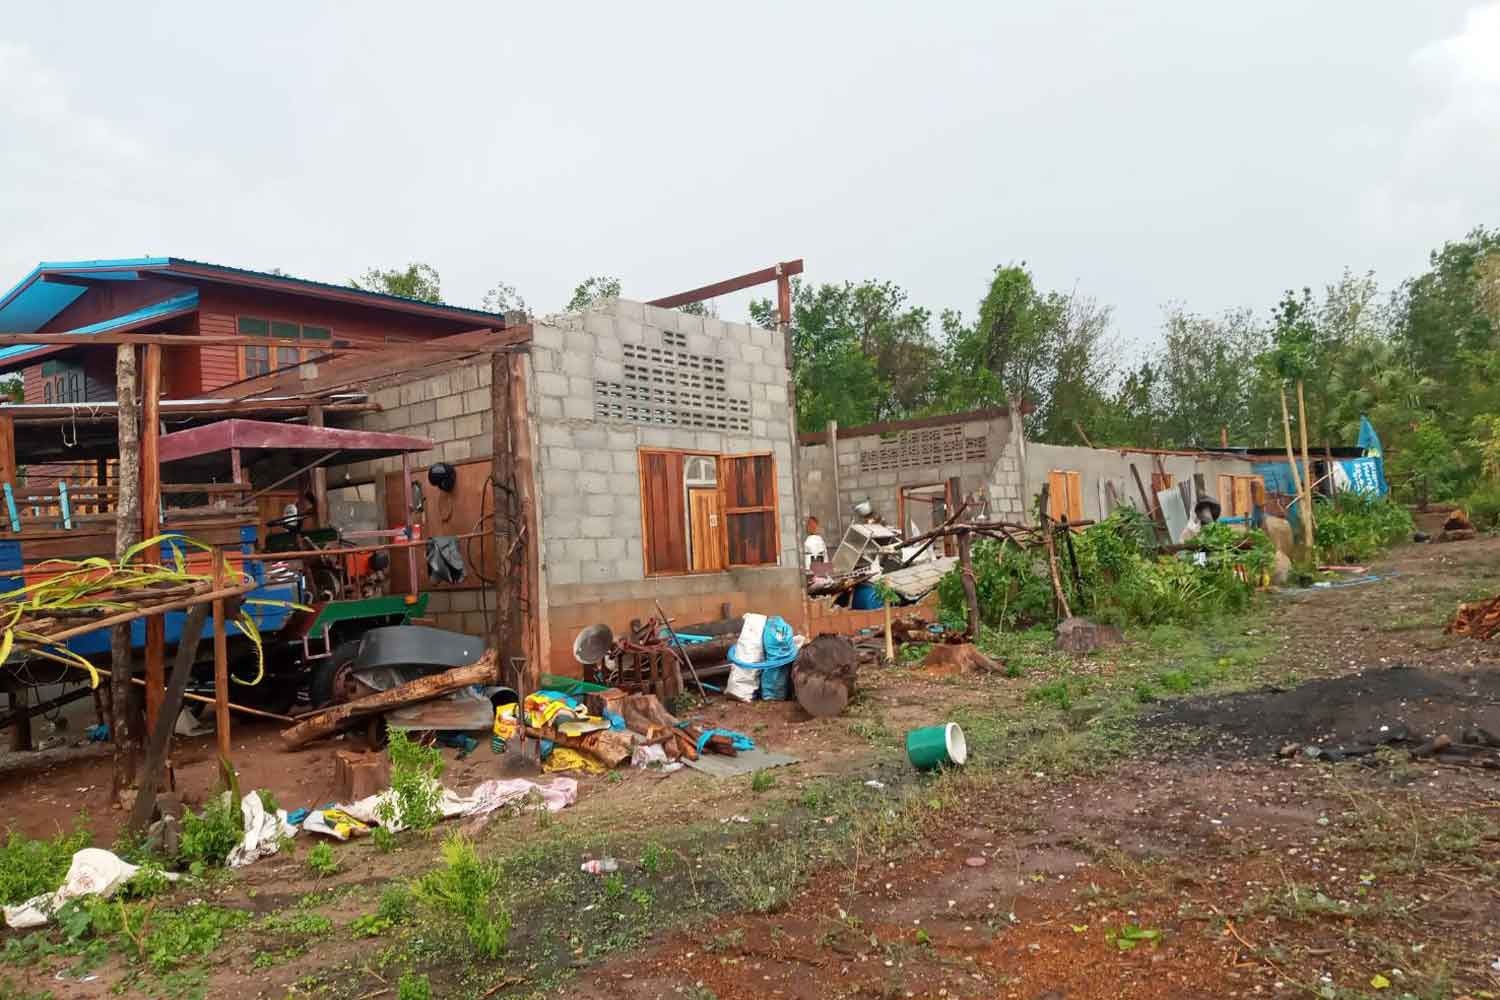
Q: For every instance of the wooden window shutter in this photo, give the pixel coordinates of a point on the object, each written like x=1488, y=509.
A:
x=751, y=520
x=1064, y=495
x=663, y=512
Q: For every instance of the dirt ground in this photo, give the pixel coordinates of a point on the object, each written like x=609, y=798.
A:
x=1192, y=862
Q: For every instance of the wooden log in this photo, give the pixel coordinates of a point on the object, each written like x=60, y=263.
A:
x=166, y=719
x=1291, y=458
x=127, y=532
x=529, y=561
x=823, y=675
x=1307, y=501
x=481, y=671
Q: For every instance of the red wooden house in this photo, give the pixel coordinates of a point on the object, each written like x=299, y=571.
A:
x=299, y=320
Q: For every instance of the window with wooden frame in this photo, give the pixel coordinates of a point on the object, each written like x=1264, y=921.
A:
x=63, y=382
x=287, y=344
x=1240, y=495
x=703, y=513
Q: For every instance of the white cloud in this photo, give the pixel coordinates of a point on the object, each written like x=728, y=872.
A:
x=1443, y=177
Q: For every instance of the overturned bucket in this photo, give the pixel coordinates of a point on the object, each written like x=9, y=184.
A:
x=934, y=746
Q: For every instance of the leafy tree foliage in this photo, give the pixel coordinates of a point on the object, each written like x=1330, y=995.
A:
x=591, y=290
x=415, y=281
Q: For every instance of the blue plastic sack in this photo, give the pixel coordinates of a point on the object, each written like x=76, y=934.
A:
x=774, y=683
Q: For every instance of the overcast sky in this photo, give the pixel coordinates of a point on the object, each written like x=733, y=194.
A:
x=1143, y=152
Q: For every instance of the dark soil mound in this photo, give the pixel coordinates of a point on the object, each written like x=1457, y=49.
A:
x=1348, y=709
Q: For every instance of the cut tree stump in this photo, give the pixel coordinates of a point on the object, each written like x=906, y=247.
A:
x=359, y=775
x=823, y=675
x=481, y=671
x=956, y=659
x=1079, y=635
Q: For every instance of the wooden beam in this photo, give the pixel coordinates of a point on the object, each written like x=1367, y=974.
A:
x=319, y=474
x=44, y=414
x=502, y=476
x=161, y=733
x=784, y=269
x=221, y=661
x=127, y=533
x=525, y=485
x=156, y=625
x=8, y=449
x=138, y=339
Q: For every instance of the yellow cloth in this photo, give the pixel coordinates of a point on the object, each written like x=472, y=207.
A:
x=567, y=759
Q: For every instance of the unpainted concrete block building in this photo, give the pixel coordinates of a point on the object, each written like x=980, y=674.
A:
x=663, y=466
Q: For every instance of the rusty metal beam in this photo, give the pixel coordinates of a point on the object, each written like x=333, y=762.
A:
x=785, y=269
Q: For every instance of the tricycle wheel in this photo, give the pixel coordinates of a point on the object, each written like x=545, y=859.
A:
x=375, y=733
x=332, y=680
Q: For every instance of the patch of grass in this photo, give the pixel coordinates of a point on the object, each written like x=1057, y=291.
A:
x=383, y=839
x=31, y=867
x=209, y=836
x=762, y=781
x=168, y=939
x=413, y=987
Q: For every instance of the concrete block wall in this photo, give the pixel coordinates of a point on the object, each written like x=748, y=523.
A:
x=859, y=477
x=590, y=428
x=451, y=408
x=1097, y=466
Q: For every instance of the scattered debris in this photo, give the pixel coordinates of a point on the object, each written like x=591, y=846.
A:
x=1456, y=528
x=956, y=659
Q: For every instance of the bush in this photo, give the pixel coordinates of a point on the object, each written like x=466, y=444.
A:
x=464, y=887
x=415, y=770
x=1483, y=508
x=1353, y=527
x=32, y=867
x=1014, y=590
x=209, y=836
x=321, y=860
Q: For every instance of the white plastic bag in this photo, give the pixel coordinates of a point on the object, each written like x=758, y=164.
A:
x=94, y=872
x=750, y=648
x=742, y=684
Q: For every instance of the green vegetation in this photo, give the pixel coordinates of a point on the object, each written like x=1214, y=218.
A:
x=464, y=888
x=1354, y=527
x=1125, y=582
x=415, y=770
x=32, y=867
x=209, y=836
x=321, y=859
x=762, y=781
x=413, y=987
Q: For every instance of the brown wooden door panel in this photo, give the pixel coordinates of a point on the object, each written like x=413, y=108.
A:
x=752, y=534
x=705, y=520
x=663, y=512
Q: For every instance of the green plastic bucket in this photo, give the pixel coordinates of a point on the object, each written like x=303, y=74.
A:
x=934, y=746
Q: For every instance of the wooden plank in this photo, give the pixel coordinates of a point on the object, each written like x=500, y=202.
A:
x=529, y=561
x=751, y=515
x=156, y=625
x=784, y=270
x=1242, y=503
x=221, y=662
x=319, y=474
x=7, y=449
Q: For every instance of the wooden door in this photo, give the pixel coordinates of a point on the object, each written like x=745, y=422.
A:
x=662, y=512
x=1065, y=495
x=705, y=514
x=752, y=535
x=1242, y=505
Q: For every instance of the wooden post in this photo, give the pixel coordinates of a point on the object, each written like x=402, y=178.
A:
x=411, y=526
x=1224, y=436
x=161, y=733
x=971, y=592
x=221, y=661
x=8, y=450
x=319, y=474
x=101, y=477
x=525, y=486
x=502, y=478
x=1307, y=513
x=236, y=472
x=1291, y=461
x=127, y=533
x=837, y=523
x=1057, y=588
x=156, y=625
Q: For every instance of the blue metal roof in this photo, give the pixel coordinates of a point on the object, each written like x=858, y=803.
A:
x=166, y=308
x=33, y=303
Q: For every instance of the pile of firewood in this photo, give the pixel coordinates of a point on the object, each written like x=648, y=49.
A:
x=1476, y=619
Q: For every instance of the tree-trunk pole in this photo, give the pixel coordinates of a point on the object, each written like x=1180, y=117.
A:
x=221, y=661
x=971, y=592
x=161, y=733
x=1291, y=456
x=127, y=533
x=1307, y=520
x=1058, y=593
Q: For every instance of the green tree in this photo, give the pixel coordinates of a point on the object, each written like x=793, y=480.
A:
x=416, y=281
x=860, y=353
x=592, y=290
x=1425, y=465
x=503, y=298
